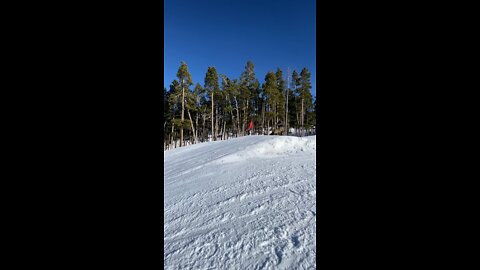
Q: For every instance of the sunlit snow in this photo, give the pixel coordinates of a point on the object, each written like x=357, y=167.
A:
x=244, y=203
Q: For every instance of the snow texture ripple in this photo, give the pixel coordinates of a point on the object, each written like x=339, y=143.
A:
x=244, y=203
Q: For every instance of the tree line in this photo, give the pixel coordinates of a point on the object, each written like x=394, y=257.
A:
x=218, y=111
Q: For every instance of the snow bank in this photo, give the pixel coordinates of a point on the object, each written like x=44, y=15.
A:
x=276, y=146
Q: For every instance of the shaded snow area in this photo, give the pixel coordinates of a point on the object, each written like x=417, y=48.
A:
x=244, y=203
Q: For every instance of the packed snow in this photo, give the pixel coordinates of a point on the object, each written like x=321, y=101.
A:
x=244, y=203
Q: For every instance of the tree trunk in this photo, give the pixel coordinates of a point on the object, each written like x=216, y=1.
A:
x=213, y=119
x=238, y=117
x=173, y=125
x=233, y=122
x=263, y=117
x=203, y=127
x=175, y=139
x=243, y=121
x=274, y=126
x=216, y=122
x=286, y=116
x=193, y=129
x=220, y=133
x=298, y=118
x=286, y=107
x=196, y=124
x=268, y=127
x=246, y=115
x=303, y=127
x=183, y=110
x=223, y=130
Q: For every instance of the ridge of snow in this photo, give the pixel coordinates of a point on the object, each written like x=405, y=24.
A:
x=276, y=146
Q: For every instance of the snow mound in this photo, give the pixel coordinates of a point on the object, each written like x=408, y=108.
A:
x=276, y=146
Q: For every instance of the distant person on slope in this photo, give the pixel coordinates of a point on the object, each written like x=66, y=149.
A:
x=250, y=127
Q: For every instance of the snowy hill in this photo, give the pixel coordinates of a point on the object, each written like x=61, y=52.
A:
x=244, y=203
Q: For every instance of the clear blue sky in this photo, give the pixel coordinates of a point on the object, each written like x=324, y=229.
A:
x=227, y=33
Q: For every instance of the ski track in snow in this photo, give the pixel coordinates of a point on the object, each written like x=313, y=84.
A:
x=244, y=203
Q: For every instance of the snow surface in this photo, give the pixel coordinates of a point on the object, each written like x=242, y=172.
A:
x=244, y=203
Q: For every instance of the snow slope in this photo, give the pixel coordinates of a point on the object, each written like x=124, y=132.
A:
x=244, y=203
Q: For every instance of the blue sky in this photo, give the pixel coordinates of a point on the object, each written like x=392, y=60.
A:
x=226, y=34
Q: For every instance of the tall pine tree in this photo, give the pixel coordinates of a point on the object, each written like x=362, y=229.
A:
x=211, y=85
x=280, y=99
x=185, y=81
x=248, y=88
x=270, y=91
x=305, y=95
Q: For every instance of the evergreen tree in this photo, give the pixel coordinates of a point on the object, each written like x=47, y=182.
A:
x=198, y=92
x=211, y=86
x=173, y=97
x=166, y=108
x=234, y=92
x=185, y=81
x=280, y=99
x=294, y=104
x=270, y=91
x=311, y=115
x=203, y=109
x=166, y=115
x=191, y=106
x=227, y=106
x=305, y=95
x=249, y=88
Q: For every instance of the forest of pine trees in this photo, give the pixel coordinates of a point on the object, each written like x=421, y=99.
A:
x=214, y=111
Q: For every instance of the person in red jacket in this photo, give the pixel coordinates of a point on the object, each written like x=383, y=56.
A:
x=250, y=127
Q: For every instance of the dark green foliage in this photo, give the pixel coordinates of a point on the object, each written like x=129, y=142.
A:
x=305, y=87
x=211, y=80
x=183, y=75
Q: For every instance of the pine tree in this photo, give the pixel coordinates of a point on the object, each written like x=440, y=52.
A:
x=203, y=109
x=173, y=98
x=235, y=94
x=286, y=102
x=311, y=115
x=248, y=88
x=305, y=95
x=166, y=108
x=226, y=105
x=166, y=117
x=191, y=106
x=294, y=97
x=185, y=81
x=280, y=99
x=197, y=96
x=211, y=85
x=270, y=91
